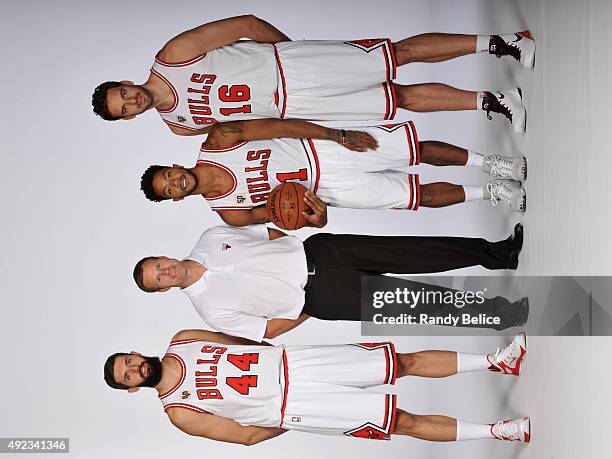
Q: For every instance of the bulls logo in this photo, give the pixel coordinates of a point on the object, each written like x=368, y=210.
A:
x=369, y=431
x=367, y=45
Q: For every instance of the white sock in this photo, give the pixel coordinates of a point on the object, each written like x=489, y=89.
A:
x=479, y=96
x=474, y=159
x=471, y=431
x=473, y=193
x=482, y=43
x=471, y=362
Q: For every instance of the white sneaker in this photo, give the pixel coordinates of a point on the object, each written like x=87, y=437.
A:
x=510, y=104
x=509, y=192
x=509, y=359
x=506, y=167
x=519, y=45
x=512, y=430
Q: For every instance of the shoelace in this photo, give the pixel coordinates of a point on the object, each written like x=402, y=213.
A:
x=506, y=430
x=504, y=355
x=500, y=167
x=495, y=106
x=499, y=192
x=503, y=48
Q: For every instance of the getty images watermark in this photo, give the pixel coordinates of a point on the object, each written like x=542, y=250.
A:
x=407, y=297
x=460, y=305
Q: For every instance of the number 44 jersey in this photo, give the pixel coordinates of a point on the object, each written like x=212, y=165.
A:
x=243, y=383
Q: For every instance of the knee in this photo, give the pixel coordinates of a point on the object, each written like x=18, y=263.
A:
x=406, y=423
x=406, y=52
x=407, y=363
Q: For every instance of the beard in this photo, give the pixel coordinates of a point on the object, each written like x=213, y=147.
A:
x=156, y=372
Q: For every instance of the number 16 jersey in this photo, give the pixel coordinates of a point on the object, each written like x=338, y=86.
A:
x=234, y=82
x=243, y=383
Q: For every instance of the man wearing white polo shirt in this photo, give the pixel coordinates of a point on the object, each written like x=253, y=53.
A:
x=256, y=282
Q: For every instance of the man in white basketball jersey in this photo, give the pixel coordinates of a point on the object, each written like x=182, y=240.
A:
x=257, y=282
x=232, y=390
x=242, y=161
x=205, y=75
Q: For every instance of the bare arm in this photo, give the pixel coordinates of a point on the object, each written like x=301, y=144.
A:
x=215, y=337
x=230, y=133
x=220, y=428
x=277, y=327
x=189, y=132
x=244, y=217
x=213, y=35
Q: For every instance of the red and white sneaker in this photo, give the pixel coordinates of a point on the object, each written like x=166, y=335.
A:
x=512, y=430
x=519, y=45
x=508, y=103
x=509, y=359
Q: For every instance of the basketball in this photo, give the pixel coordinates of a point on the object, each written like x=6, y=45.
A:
x=286, y=204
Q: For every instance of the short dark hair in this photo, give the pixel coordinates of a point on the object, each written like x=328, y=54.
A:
x=109, y=375
x=98, y=100
x=146, y=183
x=138, y=276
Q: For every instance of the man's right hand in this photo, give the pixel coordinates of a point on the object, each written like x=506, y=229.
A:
x=359, y=141
x=318, y=217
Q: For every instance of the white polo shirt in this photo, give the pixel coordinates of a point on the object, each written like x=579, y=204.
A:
x=248, y=280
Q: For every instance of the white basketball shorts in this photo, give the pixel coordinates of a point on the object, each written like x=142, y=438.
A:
x=336, y=80
x=325, y=390
x=371, y=180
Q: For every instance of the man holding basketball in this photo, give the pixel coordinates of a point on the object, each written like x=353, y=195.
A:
x=256, y=282
x=242, y=161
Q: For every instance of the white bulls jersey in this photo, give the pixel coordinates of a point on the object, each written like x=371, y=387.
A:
x=258, y=166
x=234, y=82
x=340, y=177
x=243, y=383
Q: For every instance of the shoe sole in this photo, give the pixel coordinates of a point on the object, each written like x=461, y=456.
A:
x=523, y=128
x=527, y=34
x=528, y=434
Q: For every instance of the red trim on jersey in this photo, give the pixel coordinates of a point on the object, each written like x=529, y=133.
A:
x=393, y=100
x=286, y=373
x=181, y=379
x=418, y=192
x=387, y=366
x=410, y=149
x=193, y=60
x=393, y=60
x=282, y=75
x=394, y=355
x=224, y=168
x=315, y=186
x=170, y=123
x=185, y=406
x=416, y=142
x=172, y=88
x=185, y=341
x=229, y=209
x=387, y=102
x=393, y=413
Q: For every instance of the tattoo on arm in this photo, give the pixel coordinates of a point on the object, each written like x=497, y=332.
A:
x=230, y=127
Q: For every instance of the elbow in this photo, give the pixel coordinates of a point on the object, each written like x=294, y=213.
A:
x=251, y=440
x=271, y=334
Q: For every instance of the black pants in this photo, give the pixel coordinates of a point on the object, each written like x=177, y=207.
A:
x=340, y=260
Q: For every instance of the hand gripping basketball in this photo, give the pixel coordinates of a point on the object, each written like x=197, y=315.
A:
x=286, y=205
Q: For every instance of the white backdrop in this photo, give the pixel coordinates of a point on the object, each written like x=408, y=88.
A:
x=75, y=222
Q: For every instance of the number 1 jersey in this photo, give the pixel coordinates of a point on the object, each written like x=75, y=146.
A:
x=234, y=82
x=243, y=383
